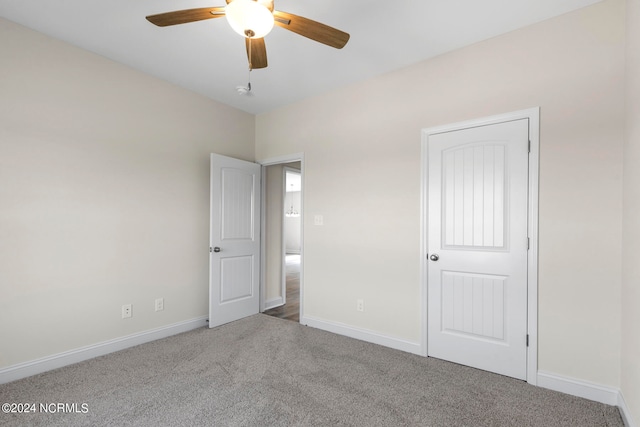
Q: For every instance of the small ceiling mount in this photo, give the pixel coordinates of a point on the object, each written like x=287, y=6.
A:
x=244, y=90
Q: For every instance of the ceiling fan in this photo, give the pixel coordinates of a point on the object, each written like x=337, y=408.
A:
x=254, y=19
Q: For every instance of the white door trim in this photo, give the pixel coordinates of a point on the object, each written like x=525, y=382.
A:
x=297, y=157
x=533, y=114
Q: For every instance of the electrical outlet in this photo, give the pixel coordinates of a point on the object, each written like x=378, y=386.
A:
x=127, y=311
x=360, y=305
x=159, y=304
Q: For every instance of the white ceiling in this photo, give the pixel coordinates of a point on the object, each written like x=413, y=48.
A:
x=209, y=58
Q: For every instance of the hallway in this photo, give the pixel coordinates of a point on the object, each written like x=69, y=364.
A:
x=290, y=310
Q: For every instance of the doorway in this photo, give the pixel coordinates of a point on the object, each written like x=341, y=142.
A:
x=479, y=244
x=290, y=310
x=282, y=259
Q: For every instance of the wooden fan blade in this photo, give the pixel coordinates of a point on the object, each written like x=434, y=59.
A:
x=185, y=16
x=258, y=53
x=311, y=29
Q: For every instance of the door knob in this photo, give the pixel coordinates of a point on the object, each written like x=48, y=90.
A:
x=434, y=257
x=216, y=249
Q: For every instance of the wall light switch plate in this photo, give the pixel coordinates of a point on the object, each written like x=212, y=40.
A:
x=318, y=220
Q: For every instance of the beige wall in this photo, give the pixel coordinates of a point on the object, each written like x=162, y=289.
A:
x=631, y=224
x=362, y=172
x=104, y=196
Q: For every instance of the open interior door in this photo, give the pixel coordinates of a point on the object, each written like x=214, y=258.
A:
x=234, y=261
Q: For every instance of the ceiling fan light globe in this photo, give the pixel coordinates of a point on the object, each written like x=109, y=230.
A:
x=249, y=18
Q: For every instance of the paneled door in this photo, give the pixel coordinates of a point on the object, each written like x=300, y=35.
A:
x=477, y=247
x=234, y=275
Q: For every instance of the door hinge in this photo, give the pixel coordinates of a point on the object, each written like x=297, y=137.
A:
x=528, y=243
x=210, y=249
x=527, y=340
x=529, y=146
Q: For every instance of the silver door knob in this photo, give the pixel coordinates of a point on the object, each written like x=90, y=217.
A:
x=434, y=257
x=216, y=249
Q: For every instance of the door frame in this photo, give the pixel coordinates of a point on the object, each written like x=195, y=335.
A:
x=297, y=157
x=533, y=115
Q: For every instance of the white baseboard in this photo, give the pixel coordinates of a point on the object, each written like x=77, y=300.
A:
x=588, y=390
x=362, y=334
x=273, y=303
x=580, y=388
x=625, y=412
x=27, y=369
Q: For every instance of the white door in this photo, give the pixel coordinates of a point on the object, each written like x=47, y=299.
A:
x=234, y=275
x=477, y=247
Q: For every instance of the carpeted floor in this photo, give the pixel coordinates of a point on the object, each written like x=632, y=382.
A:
x=264, y=371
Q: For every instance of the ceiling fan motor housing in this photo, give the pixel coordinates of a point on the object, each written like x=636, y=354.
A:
x=249, y=18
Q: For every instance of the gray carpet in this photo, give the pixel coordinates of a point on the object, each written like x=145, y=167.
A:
x=263, y=371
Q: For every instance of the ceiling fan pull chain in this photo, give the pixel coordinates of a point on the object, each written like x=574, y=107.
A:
x=249, y=35
x=250, y=66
